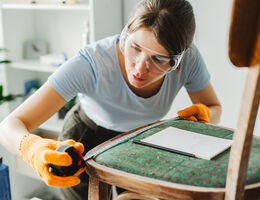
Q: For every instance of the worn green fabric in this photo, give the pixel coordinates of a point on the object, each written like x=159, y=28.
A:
x=177, y=168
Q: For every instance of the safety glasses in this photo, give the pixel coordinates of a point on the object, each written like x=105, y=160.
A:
x=155, y=61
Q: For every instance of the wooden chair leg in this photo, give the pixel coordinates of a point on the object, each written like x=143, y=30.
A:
x=131, y=195
x=98, y=190
x=240, y=150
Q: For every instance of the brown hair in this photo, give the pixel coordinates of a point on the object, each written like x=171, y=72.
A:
x=171, y=21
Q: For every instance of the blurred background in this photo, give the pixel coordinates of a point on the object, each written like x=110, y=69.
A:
x=36, y=37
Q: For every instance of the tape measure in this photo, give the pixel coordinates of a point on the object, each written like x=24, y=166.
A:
x=78, y=162
x=122, y=139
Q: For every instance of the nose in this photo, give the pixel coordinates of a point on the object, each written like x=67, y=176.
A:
x=141, y=65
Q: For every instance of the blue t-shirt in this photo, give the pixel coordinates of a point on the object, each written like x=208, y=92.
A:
x=94, y=75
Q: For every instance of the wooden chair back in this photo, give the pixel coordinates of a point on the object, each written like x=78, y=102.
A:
x=244, y=51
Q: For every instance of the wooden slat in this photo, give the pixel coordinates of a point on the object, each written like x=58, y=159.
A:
x=130, y=181
x=240, y=150
x=252, y=192
x=131, y=195
x=151, y=187
x=98, y=190
x=244, y=33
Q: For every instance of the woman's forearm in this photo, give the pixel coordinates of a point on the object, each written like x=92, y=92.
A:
x=29, y=115
x=215, y=113
x=11, y=132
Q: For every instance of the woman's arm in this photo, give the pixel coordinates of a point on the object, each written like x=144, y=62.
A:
x=208, y=97
x=29, y=115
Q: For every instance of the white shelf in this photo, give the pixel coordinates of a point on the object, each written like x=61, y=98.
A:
x=45, y=7
x=33, y=65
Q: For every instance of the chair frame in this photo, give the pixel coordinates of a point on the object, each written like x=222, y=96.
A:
x=102, y=177
x=240, y=151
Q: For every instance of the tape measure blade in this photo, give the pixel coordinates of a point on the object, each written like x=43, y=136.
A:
x=123, y=139
x=109, y=145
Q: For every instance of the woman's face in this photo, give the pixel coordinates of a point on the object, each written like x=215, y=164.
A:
x=143, y=55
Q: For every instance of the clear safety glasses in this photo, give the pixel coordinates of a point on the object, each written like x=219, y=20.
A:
x=155, y=62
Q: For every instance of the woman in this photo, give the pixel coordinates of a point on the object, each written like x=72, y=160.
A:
x=123, y=82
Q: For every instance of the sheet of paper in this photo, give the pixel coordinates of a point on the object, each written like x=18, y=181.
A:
x=203, y=146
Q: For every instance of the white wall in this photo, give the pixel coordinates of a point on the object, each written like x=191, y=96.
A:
x=211, y=37
x=128, y=6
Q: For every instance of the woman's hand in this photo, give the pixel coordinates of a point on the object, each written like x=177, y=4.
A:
x=40, y=153
x=196, y=112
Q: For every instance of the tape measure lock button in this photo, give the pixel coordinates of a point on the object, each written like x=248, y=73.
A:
x=77, y=162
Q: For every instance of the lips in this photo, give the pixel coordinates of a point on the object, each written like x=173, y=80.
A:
x=138, y=79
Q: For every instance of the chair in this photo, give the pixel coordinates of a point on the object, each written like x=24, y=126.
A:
x=150, y=174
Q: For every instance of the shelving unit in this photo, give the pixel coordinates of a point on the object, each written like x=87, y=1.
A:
x=61, y=27
x=45, y=7
x=33, y=65
x=57, y=24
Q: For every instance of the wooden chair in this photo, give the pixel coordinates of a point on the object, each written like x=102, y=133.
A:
x=235, y=174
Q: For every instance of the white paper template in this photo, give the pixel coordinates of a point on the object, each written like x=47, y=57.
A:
x=202, y=146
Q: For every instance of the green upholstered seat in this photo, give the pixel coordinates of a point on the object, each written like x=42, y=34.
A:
x=167, y=166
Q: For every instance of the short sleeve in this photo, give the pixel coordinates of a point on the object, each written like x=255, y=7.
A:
x=77, y=75
x=198, y=76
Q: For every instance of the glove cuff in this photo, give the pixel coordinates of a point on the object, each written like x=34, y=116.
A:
x=205, y=107
x=25, y=144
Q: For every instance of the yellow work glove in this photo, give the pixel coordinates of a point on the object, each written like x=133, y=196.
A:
x=40, y=153
x=196, y=112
